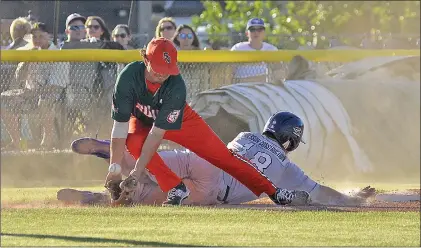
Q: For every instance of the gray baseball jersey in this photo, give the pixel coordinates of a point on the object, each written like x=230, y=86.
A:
x=271, y=160
x=202, y=178
x=208, y=184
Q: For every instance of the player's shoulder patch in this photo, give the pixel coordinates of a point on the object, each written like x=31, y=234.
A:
x=173, y=116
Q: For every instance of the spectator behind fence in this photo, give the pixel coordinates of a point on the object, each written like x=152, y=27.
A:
x=196, y=76
x=88, y=94
x=255, y=32
x=165, y=28
x=75, y=28
x=185, y=38
x=19, y=28
x=97, y=29
x=37, y=92
x=122, y=35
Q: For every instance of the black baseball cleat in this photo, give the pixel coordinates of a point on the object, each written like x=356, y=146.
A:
x=291, y=197
x=176, y=195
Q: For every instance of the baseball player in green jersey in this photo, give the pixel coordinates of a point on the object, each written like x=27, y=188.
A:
x=149, y=105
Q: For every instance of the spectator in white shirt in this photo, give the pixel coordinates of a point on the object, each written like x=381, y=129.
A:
x=256, y=72
x=37, y=91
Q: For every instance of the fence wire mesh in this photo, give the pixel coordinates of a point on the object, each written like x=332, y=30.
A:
x=44, y=106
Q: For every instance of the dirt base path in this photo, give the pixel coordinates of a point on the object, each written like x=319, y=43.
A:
x=396, y=202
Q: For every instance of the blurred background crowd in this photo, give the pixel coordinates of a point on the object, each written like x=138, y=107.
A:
x=45, y=105
x=215, y=24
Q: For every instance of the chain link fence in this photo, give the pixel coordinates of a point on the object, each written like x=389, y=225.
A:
x=44, y=106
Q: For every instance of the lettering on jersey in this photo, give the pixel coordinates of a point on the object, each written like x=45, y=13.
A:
x=252, y=137
x=147, y=110
x=269, y=147
x=173, y=116
x=265, y=145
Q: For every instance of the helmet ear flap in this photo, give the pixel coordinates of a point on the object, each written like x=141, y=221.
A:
x=293, y=144
x=286, y=145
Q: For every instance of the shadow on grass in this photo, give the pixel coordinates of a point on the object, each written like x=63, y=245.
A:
x=95, y=240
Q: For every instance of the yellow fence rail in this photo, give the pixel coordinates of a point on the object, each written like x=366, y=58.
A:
x=96, y=55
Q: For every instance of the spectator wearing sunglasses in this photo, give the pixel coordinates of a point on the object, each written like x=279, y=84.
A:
x=122, y=35
x=185, y=38
x=257, y=72
x=165, y=28
x=75, y=28
x=96, y=29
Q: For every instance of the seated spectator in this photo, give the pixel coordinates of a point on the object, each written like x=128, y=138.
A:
x=40, y=38
x=165, y=28
x=37, y=92
x=19, y=28
x=97, y=30
x=75, y=28
x=185, y=38
x=258, y=72
x=122, y=35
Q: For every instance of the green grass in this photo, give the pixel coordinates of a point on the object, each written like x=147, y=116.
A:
x=195, y=226
x=158, y=226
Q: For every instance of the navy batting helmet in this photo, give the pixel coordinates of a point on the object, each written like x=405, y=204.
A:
x=286, y=128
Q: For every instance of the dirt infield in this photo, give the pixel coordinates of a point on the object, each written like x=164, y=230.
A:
x=265, y=204
x=394, y=204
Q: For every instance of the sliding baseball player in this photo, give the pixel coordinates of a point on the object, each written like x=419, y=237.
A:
x=211, y=186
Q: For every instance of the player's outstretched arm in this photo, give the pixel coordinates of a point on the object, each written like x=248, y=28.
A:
x=116, y=155
x=149, y=148
x=325, y=195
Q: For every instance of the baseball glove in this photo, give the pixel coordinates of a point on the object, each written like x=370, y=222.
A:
x=119, y=197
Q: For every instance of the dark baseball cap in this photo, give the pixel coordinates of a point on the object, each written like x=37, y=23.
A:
x=39, y=26
x=75, y=16
x=162, y=55
x=255, y=22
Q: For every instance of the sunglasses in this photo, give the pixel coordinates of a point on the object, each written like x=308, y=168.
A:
x=77, y=27
x=96, y=27
x=256, y=29
x=120, y=35
x=186, y=36
x=167, y=28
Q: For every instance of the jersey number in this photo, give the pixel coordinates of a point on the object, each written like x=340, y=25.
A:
x=260, y=159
